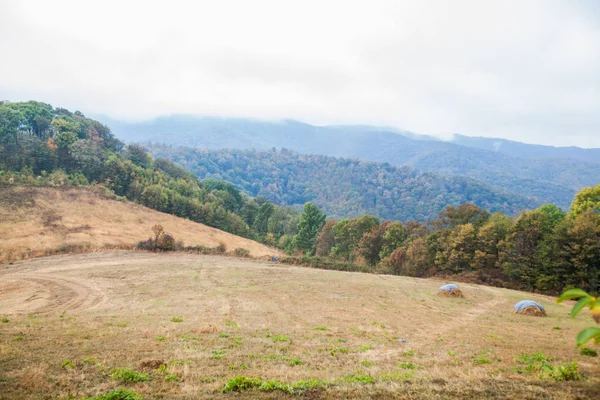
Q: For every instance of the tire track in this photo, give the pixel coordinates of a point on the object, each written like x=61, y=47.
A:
x=42, y=293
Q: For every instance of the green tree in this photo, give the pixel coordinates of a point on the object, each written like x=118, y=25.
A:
x=525, y=251
x=261, y=223
x=89, y=158
x=138, y=155
x=587, y=199
x=311, y=222
x=575, y=255
x=394, y=236
x=348, y=233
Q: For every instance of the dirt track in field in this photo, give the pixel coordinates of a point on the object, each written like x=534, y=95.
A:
x=43, y=293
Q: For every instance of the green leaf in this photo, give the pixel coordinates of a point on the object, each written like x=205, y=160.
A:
x=579, y=306
x=572, y=294
x=588, y=334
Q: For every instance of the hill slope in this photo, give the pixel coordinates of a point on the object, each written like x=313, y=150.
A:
x=342, y=187
x=550, y=180
x=336, y=331
x=41, y=219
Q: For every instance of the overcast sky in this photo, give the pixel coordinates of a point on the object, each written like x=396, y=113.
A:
x=524, y=70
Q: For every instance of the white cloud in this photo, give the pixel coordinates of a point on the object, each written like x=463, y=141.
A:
x=524, y=70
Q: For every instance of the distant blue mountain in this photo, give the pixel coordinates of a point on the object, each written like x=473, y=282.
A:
x=523, y=150
x=546, y=174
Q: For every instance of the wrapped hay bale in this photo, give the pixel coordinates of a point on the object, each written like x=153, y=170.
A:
x=529, y=307
x=450, y=290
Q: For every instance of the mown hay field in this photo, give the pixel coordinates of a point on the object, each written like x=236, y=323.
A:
x=80, y=325
x=36, y=221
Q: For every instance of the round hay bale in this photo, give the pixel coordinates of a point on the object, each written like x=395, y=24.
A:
x=530, y=307
x=450, y=293
x=533, y=311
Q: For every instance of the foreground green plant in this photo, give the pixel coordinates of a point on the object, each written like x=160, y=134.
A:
x=585, y=300
x=242, y=383
x=128, y=375
x=585, y=351
x=538, y=363
x=117, y=394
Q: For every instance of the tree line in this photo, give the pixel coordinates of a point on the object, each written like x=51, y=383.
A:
x=545, y=249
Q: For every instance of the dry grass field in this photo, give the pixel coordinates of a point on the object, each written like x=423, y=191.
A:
x=41, y=220
x=190, y=323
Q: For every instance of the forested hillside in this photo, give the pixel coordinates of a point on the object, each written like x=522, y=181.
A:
x=342, y=187
x=45, y=146
x=551, y=177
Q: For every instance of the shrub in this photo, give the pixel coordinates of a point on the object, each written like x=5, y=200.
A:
x=296, y=361
x=176, y=319
x=66, y=364
x=161, y=241
x=221, y=248
x=408, y=365
x=588, y=352
x=241, y=383
x=4, y=320
x=566, y=372
x=240, y=252
x=281, y=338
x=128, y=375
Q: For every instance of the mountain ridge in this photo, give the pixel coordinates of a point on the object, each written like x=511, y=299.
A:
x=549, y=180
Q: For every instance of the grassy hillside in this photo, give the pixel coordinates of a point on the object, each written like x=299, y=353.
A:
x=342, y=187
x=76, y=324
x=36, y=220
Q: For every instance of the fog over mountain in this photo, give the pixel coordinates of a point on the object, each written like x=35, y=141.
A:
x=517, y=70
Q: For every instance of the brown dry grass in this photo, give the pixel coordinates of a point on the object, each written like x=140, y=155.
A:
x=253, y=318
x=450, y=293
x=532, y=311
x=37, y=221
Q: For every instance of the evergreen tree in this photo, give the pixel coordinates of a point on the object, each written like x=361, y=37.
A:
x=311, y=222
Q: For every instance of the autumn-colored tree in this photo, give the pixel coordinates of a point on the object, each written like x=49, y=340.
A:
x=458, y=250
x=371, y=243
x=489, y=237
x=326, y=239
x=467, y=213
x=411, y=260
